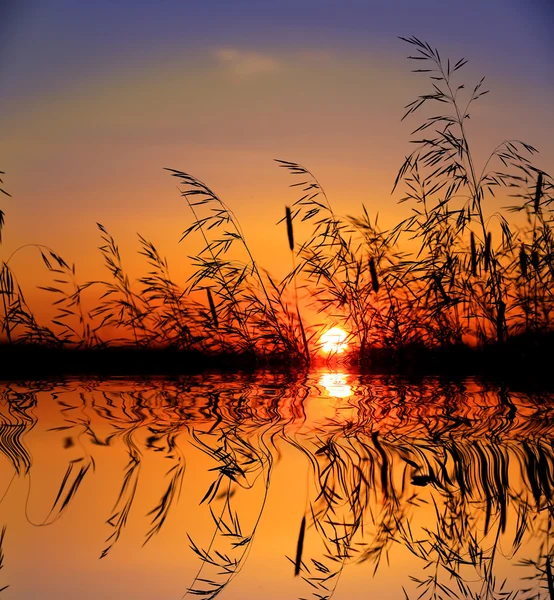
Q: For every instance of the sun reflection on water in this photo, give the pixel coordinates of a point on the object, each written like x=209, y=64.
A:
x=336, y=385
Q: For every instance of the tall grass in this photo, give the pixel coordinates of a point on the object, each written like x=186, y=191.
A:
x=449, y=192
x=475, y=277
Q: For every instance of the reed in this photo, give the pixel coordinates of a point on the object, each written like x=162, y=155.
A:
x=290, y=233
x=473, y=251
x=2, y=191
x=474, y=278
x=290, y=237
x=373, y=273
x=172, y=316
x=538, y=193
x=523, y=261
x=212, y=308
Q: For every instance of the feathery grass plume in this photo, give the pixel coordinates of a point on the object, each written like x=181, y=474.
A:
x=451, y=191
x=290, y=233
x=373, y=274
x=6, y=289
x=473, y=250
x=333, y=264
x=212, y=307
x=230, y=276
x=174, y=319
x=18, y=321
x=121, y=306
x=538, y=193
x=252, y=313
x=69, y=305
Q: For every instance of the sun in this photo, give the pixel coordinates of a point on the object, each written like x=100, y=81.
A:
x=334, y=341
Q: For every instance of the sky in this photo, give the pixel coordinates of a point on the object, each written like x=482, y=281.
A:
x=96, y=98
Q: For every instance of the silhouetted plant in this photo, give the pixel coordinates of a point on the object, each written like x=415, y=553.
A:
x=251, y=312
x=473, y=279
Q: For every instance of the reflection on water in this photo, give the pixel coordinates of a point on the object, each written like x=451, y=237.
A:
x=336, y=384
x=227, y=486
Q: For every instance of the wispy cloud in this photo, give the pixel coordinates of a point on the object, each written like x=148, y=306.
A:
x=246, y=64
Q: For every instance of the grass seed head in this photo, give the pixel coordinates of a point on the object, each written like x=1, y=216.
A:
x=373, y=273
x=523, y=261
x=473, y=255
x=290, y=232
x=538, y=193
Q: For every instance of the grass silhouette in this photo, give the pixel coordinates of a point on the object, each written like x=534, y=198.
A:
x=476, y=287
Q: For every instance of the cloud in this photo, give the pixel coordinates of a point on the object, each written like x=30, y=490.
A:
x=245, y=64
x=318, y=56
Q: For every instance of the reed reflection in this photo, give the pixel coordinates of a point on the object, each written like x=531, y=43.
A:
x=459, y=476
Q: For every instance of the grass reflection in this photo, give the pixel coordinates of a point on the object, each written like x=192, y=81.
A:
x=458, y=475
x=2, y=535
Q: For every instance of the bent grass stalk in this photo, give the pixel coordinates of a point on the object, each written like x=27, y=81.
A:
x=290, y=236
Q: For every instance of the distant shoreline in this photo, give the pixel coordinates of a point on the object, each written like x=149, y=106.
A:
x=522, y=359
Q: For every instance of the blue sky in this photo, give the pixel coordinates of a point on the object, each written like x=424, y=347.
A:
x=47, y=42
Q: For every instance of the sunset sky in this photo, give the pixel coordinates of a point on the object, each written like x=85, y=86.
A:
x=97, y=97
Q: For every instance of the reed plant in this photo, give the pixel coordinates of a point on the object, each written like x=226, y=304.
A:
x=475, y=278
x=341, y=270
x=248, y=309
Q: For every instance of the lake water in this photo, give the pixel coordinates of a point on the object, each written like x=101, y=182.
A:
x=225, y=485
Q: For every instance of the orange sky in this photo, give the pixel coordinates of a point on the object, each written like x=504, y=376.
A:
x=89, y=143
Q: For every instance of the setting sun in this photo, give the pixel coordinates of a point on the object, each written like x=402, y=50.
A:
x=334, y=341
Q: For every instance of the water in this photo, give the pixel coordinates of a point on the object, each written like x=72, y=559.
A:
x=199, y=487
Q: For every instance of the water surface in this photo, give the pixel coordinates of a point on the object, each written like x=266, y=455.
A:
x=225, y=485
